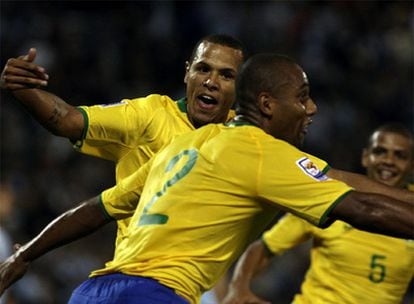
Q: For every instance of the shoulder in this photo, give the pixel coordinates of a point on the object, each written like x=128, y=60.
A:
x=152, y=101
x=146, y=106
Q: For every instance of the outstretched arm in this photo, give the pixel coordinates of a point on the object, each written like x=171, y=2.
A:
x=364, y=184
x=22, y=77
x=71, y=225
x=256, y=258
x=376, y=213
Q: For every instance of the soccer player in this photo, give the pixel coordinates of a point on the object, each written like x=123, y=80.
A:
x=131, y=131
x=347, y=265
x=210, y=193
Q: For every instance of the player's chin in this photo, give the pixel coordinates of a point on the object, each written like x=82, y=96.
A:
x=206, y=117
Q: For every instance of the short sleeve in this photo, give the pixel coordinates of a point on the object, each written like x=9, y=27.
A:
x=121, y=200
x=112, y=130
x=297, y=183
x=288, y=232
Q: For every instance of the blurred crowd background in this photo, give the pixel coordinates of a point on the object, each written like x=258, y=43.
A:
x=358, y=56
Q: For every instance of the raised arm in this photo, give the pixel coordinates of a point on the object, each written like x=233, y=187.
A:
x=256, y=258
x=22, y=77
x=71, y=225
x=364, y=184
x=376, y=213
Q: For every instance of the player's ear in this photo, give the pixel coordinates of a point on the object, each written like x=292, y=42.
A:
x=364, y=158
x=266, y=104
x=187, y=69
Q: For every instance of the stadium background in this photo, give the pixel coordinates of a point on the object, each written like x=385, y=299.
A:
x=358, y=56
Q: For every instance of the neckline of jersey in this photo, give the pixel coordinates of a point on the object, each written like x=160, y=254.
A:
x=238, y=123
x=182, y=104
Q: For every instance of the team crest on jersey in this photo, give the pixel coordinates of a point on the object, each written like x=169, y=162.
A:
x=114, y=104
x=311, y=169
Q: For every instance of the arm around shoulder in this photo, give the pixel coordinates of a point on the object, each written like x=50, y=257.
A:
x=364, y=184
x=376, y=213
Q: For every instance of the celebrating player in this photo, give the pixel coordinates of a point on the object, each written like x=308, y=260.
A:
x=211, y=192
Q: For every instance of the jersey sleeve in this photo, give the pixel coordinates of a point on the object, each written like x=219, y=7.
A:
x=121, y=200
x=112, y=130
x=322, y=165
x=296, y=182
x=288, y=232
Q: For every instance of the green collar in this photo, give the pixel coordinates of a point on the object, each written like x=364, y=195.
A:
x=182, y=104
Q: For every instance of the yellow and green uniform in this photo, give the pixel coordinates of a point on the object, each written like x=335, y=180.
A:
x=347, y=265
x=131, y=131
x=206, y=197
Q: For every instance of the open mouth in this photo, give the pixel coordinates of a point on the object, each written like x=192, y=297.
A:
x=207, y=101
x=385, y=174
x=306, y=126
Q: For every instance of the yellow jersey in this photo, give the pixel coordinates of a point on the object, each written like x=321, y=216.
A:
x=129, y=132
x=347, y=265
x=206, y=197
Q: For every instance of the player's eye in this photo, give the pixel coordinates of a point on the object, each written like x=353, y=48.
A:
x=401, y=155
x=379, y=151
x=228, y=75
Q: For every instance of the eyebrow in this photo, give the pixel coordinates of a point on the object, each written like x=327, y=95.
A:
x=232, y=70
x=381, y=147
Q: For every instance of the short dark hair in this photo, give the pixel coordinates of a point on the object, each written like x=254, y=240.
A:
x=221, y=39
x=392, y=127
x=264, y=72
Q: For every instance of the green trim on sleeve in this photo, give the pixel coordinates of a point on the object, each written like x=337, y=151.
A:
x=326, y=169
x=105, y=213
x=325, y=221
x=182, y=104
x=79, y=142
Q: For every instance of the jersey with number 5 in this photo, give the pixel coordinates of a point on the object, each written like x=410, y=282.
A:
x=347, y=265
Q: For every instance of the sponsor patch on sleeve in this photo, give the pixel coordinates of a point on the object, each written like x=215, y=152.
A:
x=114, y=104
x=311, y=169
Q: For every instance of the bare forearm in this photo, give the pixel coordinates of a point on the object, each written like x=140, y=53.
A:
x=22, y=76
x=70, y=226
x=252, y=262
x=52, y=112
x=378, y=214
x=364, y=184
